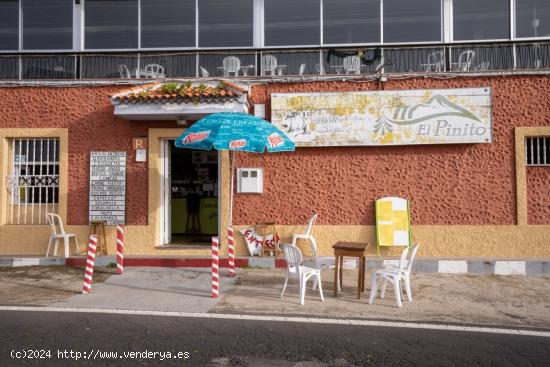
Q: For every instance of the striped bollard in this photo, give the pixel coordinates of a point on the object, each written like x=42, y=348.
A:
x=231, y=247
x=119, y=249
x=215, y=268
x=90, y=261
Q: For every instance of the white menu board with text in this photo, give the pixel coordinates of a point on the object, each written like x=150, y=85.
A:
x=107, y=200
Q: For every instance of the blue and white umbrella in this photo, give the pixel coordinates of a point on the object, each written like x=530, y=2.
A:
x=235, y=132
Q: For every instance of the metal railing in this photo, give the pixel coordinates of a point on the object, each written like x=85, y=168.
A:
x=33, y=186
x=466, y=58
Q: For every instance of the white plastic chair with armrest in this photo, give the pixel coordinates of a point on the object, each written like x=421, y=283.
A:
x=295, y=269
x=58, y=233
x=392, y=275
x=352, y=64
x=302, y=69
x=436, y=61
x=465, y=60
x=231, y=64
x=154, y=71
x=204, y=72
x=124, y=71
x=269, y=64
x=406, y=274
x=319, y=262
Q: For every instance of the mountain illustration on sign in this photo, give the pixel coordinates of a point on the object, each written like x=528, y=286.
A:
x=436, y=107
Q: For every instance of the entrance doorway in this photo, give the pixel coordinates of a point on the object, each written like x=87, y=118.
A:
x=190, y=196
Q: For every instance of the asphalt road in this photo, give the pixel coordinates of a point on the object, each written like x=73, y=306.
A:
x=60, y=338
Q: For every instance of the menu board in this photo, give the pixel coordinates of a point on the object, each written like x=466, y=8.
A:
x=108, y=187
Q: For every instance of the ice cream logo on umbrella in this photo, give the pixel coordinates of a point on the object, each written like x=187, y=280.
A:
x=196, y=137
x=236, y=144
x=275, y=140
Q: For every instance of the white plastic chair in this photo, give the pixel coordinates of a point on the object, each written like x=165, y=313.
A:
x=436, y=61
x=392, y=275
x=124, y=71
x=406, y=274
x=269, y=64
x=231, y=64
x=465, y=60
x=302, y=69
x=58, y=233
x=352, y=65
x=204, y=72
x=295, y=269
x=154, y=71
x=318, y=262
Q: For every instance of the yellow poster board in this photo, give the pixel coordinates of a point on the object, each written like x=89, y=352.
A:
x=393, y=222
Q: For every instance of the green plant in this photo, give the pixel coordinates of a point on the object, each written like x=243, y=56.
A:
x=188, y=84
x=111, y=265
x=221, y=85
x=169, y=87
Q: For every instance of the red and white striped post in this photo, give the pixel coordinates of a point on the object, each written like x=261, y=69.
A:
x=119, y=249
x=215, y=268
x=90, y=261
x=231, y=250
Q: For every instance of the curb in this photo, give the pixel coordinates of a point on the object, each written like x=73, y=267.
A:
x=532, y=268
x=297, y=319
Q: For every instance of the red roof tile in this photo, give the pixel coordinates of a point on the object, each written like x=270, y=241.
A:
x=177, y=92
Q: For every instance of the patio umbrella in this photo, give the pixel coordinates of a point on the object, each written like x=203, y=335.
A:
x=234, y=132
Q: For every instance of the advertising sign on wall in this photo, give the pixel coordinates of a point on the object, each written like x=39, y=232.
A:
x=108, y=187
x=437, y=116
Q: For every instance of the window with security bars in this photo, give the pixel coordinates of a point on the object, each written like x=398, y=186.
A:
x=33, y=184
x=537, y=151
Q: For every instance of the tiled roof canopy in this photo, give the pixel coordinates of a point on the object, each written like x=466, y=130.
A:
x=180, y=92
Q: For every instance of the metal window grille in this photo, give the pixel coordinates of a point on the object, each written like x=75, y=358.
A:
x=33, y=187
x=537, y=151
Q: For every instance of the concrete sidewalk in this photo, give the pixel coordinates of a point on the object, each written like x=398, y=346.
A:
x=153, y=289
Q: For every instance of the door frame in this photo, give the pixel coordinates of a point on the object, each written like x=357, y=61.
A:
x=165, y=233
x=165, y=192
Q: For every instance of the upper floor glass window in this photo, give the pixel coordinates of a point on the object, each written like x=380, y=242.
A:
x=351, y=21
x=9, y=25
x=225, y=23
x=412, y=21
x=532, y=18
x=47, y=25
x=167, y=23
x=111, y=24
x=481, y=20
x=292, y=22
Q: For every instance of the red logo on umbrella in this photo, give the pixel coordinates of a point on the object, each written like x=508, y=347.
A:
x=275, y=140
x=195, y=137
x=235, y=144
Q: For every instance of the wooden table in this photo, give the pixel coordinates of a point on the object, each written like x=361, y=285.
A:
x=351, y=249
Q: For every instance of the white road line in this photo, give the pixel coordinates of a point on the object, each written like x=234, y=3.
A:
x=312, y=320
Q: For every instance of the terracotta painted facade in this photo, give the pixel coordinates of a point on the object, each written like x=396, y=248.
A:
x=470, y=184
x=448, y=184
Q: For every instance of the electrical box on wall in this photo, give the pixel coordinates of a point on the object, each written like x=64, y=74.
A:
x=250, y=181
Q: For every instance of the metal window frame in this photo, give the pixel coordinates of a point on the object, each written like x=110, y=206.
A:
x=447, y=36
x=535, y=152
x=18, y=208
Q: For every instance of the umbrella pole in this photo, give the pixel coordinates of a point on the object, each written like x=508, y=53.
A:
x=232, y=159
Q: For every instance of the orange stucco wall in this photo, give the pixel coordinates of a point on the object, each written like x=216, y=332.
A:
x=448, y=184
x=88, y=114
x=538, y=195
